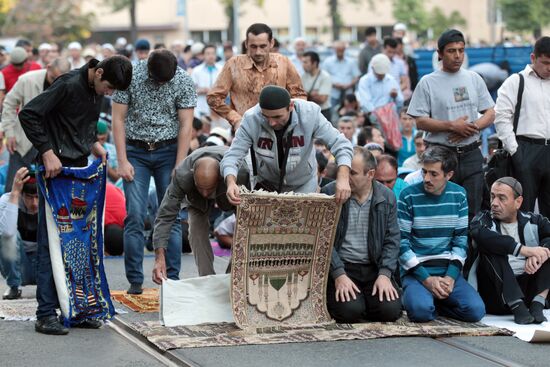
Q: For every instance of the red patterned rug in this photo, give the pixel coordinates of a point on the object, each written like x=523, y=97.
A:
x=148, y=301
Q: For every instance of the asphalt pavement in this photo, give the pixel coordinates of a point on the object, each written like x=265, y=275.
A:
x=112, y=346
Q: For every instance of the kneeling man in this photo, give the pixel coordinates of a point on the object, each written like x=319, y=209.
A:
x=513, y=268
x=361, y=285
x=433, y=218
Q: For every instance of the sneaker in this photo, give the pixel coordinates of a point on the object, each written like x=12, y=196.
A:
x=51, y=326
x=135, y=288
x=12, y=293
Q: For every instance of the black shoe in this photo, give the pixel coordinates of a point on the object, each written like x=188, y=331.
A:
x=135, y=288
x=89, y=324
x=536, y=311
x=50, y=325
x=13, y=293
x=521, y=314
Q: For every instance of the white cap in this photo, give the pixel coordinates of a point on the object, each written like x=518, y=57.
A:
x=215, y=140
x=108, y=46
x=44, y=46
x=224, y=133
x=121, y=42
x=88, y=52
x=400, y=27
x=74, y=46
x=197, y=48
x=381, y=64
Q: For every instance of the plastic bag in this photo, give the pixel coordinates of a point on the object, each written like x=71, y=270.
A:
x=389, y=121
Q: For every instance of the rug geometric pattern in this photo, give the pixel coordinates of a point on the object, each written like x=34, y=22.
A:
x=228, y=334
x=148, y=301
x=281, y=256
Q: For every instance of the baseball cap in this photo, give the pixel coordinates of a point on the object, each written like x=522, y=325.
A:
x=449, y=36
x=142, y=45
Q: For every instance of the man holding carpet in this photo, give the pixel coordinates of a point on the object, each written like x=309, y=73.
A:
x=61, y=125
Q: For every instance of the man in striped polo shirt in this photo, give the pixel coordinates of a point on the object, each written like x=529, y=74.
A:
x=433, y=218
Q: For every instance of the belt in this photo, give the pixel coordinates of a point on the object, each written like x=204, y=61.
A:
x=150, y=146
x=533, y=141
x=460, y=150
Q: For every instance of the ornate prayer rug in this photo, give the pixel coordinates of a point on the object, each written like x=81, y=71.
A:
x=281, y=256
x=148, y=301
x=75, y=201
x=228, y=334
x=18, y=310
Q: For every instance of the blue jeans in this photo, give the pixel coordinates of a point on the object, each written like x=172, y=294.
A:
x=464, y=303
x=22, y=269
x=46, y=294
x=159, y=165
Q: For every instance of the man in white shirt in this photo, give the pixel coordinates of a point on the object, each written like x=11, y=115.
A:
x=317, y=83
x=204, y=76
x=530, y=145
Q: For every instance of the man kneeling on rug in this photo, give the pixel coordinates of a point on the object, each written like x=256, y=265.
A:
x=361, y=285
x=513, y=266
x=196, y=183
x=433, y=218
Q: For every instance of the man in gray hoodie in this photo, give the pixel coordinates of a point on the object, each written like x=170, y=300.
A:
x=280, y=133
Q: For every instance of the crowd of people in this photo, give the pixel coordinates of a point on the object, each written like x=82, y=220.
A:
x=181, y=130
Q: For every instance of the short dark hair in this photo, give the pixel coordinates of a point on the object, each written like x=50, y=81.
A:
x=369, y=160
x=23, y=42
x=313, y=56
x=276, y=43
x=419, y=135
x=209, y=46
x=390, y=42
x=322, y=161
x=259, y=28
x=117, y=70
x=399, y=40
x=162, y=65
x=370, y=31
x=542, y=47
x=390, y=159
x=197, y=123
x=438, y=153
x=160, y=46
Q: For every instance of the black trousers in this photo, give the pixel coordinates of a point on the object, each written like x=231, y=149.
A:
x=497, y=284
x=532, y=169
x=365, y=306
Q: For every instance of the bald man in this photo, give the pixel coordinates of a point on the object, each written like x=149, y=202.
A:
x=197, y=185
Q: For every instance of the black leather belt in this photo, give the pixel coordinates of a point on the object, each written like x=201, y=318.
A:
x=462, y=149
x=533, y=140
x=150, y=146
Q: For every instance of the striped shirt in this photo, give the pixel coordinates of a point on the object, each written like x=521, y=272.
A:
x=354, y=248
x=434, y=231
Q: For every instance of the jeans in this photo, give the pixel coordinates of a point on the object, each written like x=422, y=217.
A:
x=46, y=293
x=20, y=270
x=464, y=303
x=159, y=165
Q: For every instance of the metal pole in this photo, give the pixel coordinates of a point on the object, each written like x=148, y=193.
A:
x=296, y=19
x=236, y=28
x=183, y=14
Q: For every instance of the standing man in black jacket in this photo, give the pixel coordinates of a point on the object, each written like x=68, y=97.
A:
x=514, y=252
x=61, y=125
x=361, y=285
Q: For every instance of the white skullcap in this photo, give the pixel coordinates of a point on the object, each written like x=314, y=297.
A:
x=44, y=46
x=197, y=48
x=400, y=27
x=74, y=46
x=108, y=46
x=381, y=64
x=224, y=133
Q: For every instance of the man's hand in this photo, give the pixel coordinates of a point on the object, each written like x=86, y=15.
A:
x=11, y=145
x=345, y=289
x=434, y=285
x=448, y=284
x=383, y=286
x=99, y=151
x=159, y=270
x=462, y=127
x=125, y=170
x=343, y=191
x=233, y=193
x=532, y=265
x=51, y=163
x=540, y=253
x=19, y=180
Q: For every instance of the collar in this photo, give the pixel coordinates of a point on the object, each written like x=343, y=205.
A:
x=377, y=195
x=249, y=63
x=83, y=71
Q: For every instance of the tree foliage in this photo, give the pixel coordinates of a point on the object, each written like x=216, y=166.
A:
x=418, y=19
x=47, y=20
x=229, y=13
x=525, y=15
